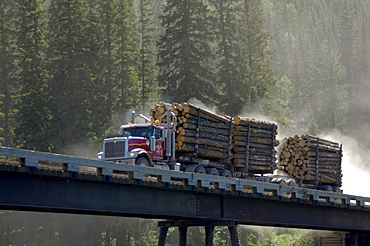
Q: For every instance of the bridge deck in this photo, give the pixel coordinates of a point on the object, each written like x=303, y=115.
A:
x=31, y=184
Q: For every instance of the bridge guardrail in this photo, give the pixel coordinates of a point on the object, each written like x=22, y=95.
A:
x=74, y=167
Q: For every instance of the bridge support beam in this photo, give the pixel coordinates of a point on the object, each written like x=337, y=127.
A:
x=234, y=235
x=182, y=235
x=208, y=227
x=209, y=235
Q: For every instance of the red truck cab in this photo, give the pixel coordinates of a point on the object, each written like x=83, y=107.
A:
x=146, y=144
x=139, y=144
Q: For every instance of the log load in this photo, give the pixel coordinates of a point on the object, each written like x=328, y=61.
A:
x=248, y=145
x=199, y=132
x=254, y=144
x=311, y=159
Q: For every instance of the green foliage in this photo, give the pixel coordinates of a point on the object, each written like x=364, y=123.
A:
x=71, y=81
x=257, y=78
x=185, y=52
x=228, y=60
x=126, y=57
x=68, y=75
x=8, y=68
x=34, y=115
x=315, y=47
x=282, y=237
x=279, y=105
x=148, y=53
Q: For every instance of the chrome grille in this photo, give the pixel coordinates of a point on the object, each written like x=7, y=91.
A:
x=115, y=148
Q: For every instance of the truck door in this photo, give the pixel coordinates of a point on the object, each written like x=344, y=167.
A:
x=159, y=144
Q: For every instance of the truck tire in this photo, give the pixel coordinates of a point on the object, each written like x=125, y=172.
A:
x=326, y=188
x=280, y=181
x=142, y=161
x=291, y=182
x=212, y=171
x=225, y=173
x=200, y=169
x=337, y=189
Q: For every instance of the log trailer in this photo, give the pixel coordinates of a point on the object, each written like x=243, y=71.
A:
x=215, y=145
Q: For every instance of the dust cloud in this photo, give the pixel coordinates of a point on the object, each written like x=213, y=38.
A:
x=200, y=104
x=356, y=174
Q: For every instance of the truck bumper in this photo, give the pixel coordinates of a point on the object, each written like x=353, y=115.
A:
x=122, y=161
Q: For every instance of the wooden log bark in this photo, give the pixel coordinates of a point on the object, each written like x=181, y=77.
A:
x=334, y=167
x=203, y=151
x=243, y=141
x=253, y=147
x=190, y=126
x=193, y=110
x=324, y=154
x=193, y=120
x=254, y=153
x=245, y=121
x=324, y=164
x=238, y=135
x=311, y=138
x=325, y=178
x=260, y=130
x=209, y=142
x=268, y=163
x=323, y=159
x=192, y=133
x=265, y=159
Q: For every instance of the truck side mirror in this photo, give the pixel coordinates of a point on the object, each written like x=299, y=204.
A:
x=152, y=143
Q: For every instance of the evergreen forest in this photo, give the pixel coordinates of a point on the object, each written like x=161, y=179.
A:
x=72, y=70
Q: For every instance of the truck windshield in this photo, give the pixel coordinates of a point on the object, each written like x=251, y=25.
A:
x=137, y=132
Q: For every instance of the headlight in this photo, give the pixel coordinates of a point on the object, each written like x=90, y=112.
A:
x=133, y=154
x=99, y=156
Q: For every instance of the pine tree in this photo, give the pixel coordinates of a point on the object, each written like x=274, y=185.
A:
x=346, y=35
x=257, y=74
x=8, y=68
x=127, y=55
x=331, y=105
x=228, y=73
x=72, y=81
x=33, y=118
x=100, y=32
x=107, y=64
x=148, y=70
x=185, y=53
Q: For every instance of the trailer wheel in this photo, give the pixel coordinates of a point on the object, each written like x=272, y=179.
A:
x=291, y=182
x=142, y=161
x=200, y=169
x=337, y=189
x=281, y=181
x=225, y=173
x=212, y=171
x=326, y=188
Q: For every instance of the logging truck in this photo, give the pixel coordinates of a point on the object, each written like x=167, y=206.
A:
x=187, y=138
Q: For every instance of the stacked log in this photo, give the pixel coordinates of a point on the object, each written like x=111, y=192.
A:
x=246, y=144
x=312, y=159
x=210, y=141
x=254, y=145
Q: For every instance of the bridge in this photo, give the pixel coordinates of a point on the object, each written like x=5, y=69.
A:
x=45, y=182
